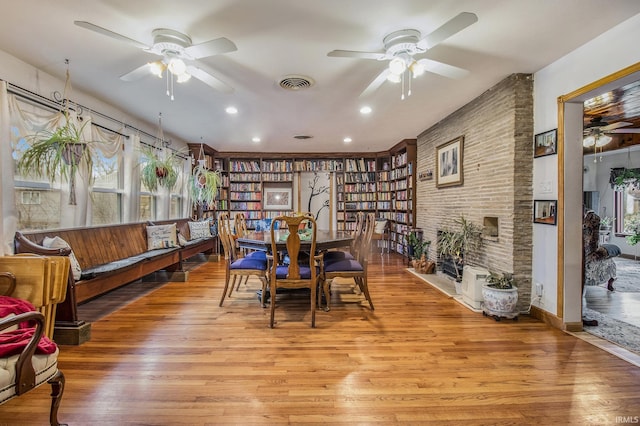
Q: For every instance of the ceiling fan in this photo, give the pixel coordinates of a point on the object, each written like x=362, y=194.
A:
x=401, y=49
x=596, y=132
x=178, y=53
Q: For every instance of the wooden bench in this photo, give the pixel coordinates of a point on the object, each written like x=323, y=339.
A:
x=109, y=256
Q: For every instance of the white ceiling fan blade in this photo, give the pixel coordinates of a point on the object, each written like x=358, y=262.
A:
x=381, y=55
x=136, y=74
x=442, y=69
x=209, y=79
x=108, y=33
x=614, y=126
x=376, y=83
x=446, y=30
x=211, y=48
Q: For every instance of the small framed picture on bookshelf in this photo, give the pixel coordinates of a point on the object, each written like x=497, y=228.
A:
x=277, y=198
x=545, y=211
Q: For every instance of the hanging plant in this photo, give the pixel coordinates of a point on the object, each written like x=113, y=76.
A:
x=203, y=185
x=59, y=152
x=622, y=179
x=159, y=172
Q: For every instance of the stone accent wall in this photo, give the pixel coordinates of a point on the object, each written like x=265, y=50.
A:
x=497, y=177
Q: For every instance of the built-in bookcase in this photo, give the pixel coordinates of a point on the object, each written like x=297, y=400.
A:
x=382, y=183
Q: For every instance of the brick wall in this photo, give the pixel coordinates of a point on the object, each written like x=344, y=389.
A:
x=497, y=177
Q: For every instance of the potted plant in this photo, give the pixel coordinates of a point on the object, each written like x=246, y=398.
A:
x=415, y=246
x=203, y=185
x=158, y=171
x=58, y=153
x=625, y=178
x=454, y=245
x=500, y=296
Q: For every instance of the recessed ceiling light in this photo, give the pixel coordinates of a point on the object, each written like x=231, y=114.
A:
x=255, y=139
x=231, y=110
x=347, y=139
x=365, y=110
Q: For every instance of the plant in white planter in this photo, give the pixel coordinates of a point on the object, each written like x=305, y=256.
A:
x=500, y=296
x=203, y=185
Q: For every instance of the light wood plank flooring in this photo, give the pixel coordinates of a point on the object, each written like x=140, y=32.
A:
x=173, y=357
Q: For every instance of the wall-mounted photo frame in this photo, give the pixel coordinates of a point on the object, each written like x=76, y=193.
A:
x=277, y=198
x=449, y=163
x=545, y=211
x=545, y=143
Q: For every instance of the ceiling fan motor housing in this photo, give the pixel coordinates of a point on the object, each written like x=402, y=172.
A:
x=169, y=42
x=403, y=41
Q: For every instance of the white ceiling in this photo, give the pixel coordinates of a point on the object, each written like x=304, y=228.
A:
x=280, y=37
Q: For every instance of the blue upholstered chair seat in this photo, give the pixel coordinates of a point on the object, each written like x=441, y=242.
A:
x=344, y=265
x=335, y=255
x=249, y=263
x=305, y=272
x=258, y=255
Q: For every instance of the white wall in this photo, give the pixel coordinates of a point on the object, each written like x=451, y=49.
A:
x=606, y=54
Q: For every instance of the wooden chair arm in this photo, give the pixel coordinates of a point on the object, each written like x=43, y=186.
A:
x=25, y=245
x=25, y=373
x=8, y=276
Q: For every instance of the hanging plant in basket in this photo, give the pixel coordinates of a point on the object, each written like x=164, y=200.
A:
x=159, y=172
x=203, y=185
x=60, y=152
x=57, y=153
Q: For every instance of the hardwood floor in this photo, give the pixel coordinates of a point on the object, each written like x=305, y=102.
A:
x=174, y=357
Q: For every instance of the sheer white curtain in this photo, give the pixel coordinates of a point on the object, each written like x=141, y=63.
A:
x=28, y=123
x=131, y=175
x=8, y=225
x=187, y=206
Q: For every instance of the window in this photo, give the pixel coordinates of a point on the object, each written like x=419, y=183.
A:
x=147, y=207
x=106, y=197
x=627, y=205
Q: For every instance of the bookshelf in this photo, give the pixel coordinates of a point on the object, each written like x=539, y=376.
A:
x=382, y=183
x=245, y=190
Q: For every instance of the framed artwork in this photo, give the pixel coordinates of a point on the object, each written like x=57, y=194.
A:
x=277, y=198
x=449, y=163
x=545, y=211
x=545, y=143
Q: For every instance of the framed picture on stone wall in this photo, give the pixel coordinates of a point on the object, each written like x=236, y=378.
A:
x=449, y=163
x=545, y=211
x=545, y=143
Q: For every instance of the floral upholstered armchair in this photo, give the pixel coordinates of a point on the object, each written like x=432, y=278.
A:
x=599, y=266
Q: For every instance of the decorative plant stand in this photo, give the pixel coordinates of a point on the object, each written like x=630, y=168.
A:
x=499, y=303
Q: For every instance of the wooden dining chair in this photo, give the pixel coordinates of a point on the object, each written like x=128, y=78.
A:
x=297, y=273
x=351, y=268
x=352, y=252
x=236, y=266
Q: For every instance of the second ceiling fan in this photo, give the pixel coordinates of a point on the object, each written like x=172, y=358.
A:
x=403, y=50
x=178, y=55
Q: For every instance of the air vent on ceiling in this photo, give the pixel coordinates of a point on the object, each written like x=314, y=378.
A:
x=295, y=82
x=302, y=137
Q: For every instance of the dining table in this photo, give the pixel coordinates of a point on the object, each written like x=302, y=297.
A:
x=261, y=240
x=325, y=240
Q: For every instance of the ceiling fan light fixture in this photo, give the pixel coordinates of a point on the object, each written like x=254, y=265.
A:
x=397, y=65
x=177, y=66
x=157, y=68
x=417, y=69
x=394, y=78
x=184, y=77
x=589, y=141
x=603, y=140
